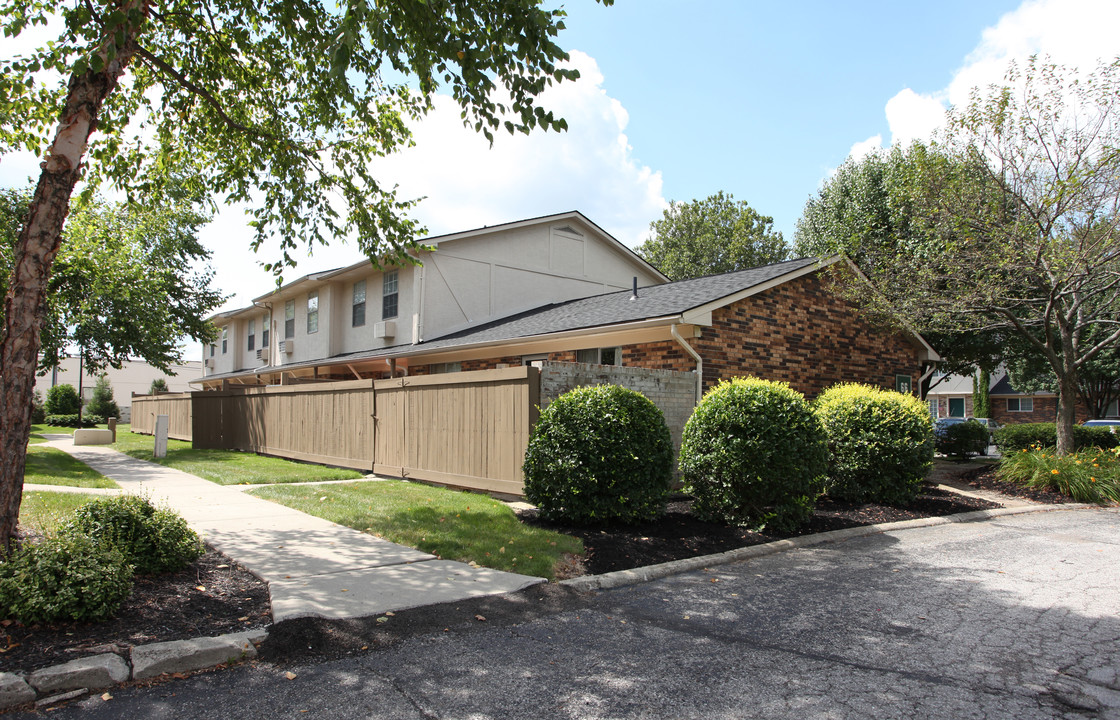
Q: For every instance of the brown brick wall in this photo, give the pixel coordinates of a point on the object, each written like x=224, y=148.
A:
x=1045, y=410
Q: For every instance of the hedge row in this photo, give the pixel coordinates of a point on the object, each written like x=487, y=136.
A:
x=1013, y=438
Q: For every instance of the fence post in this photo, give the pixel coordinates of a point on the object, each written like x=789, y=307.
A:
x=162, y=423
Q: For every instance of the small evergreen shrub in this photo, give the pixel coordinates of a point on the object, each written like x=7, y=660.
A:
x=880, y=443
x=102, y=404
x=158, y=385
x=62, y=400
x=753, y=453
x=66, y=577
x=1013, y=438
x=153, y=540
x=963, y=439
x=599, y=454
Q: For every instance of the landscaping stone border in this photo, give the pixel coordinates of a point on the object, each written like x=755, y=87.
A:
x=75, y=678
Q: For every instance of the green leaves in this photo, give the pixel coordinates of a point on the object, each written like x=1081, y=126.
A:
x=714, y=235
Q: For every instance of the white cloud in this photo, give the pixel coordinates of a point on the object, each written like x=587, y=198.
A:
x=865, y=147
x=1076, y=33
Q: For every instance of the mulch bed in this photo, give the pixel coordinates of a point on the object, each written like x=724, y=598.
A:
x=679, y=534
x=985, y=479
x=212, y=597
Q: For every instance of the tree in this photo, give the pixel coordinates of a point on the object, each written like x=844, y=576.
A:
x=158, y=385
x=62, y=400
x=869, y=210
x=102, y=403
x=714, y=235
x=981, y=400
x=127, y=282
x=285, y=106
x=1022, y=202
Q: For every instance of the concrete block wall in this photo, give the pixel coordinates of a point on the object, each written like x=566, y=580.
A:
x=672, y=391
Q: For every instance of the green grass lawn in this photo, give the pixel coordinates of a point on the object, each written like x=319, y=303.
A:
x=46, y=511
x=38, y=430
x=454, y=525
x=226, y=467
x=47, y=466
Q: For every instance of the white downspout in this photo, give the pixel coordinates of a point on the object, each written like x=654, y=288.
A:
x=696, y=356
x=922, y=379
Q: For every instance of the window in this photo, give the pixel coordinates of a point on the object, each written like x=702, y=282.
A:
x=290, y=319
x=266, y=322
x=1020, y=404
x=389, y=295
x=600, y=356
x=252, y=335
x=213, y=349
x=956, y=407
x=1113, y=409
x=358, y=310
x=225, y=340
x=312, y=312
x=451, y=367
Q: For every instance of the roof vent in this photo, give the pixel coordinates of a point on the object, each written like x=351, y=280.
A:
x=634, y=291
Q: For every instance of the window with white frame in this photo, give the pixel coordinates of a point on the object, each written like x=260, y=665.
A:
x=600, y=356
x=312, y=312
x=389, y=295
x=450, y=367
x=252, y=335
x=266, y=326
x=358, y=309
x=1020, y=404
x=290, y=319
x=225, y=340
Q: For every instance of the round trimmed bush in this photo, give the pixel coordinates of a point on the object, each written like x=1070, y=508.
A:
x=599, y=454
x=754, y=454
x=880, y=443
x=963, y=439
x=67, y=577
x=153, y=540
x=62, y=400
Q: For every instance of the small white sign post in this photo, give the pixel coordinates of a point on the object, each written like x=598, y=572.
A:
x=162, y=423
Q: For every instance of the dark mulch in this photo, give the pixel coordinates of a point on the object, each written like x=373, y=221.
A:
x=985, y=479
x=212, y=597
x=679, y=534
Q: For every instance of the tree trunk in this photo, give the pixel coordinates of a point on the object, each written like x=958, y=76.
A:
x=35, y=251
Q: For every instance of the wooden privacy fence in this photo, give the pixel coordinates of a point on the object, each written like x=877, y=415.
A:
x=177, y=406
x=467, y=429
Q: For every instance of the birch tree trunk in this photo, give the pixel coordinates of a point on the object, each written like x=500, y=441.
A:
x=35, y=252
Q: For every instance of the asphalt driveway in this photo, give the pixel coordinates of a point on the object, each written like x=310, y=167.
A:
x=1017, y=617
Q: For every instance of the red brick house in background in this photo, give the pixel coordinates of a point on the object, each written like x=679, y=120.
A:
x=952, y=397
x=778, y=321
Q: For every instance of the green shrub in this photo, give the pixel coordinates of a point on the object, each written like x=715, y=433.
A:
x=101, y=404
x=599, y=454
x=880, y=443
x=153, y=540
x=64, y=421
x=1091, y=476
x=1012, y=438
x=963, y=439
x=62, y=400
x=753, y=453
x=38, y=412
x=67, y=577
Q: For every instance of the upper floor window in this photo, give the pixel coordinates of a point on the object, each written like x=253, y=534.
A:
x=1020, y=404
x=225, y=340
x=358, y=310
x=389, y=295
x=252, y=335
x=290, y=319
x=213, y=349
x=266, y=326
x=313, y=312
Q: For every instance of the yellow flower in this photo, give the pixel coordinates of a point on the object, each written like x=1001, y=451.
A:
x=1092, y=479
x=1076, y=462
x=1054, y=471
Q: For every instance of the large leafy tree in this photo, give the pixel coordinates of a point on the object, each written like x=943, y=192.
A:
x=127, y=282
x=1022, y=204
x=715, y=235
x=286, y=106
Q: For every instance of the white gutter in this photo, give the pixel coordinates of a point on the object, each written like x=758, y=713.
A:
x=696, y=356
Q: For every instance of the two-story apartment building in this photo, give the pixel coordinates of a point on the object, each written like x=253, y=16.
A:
x=559, y=288
x=467, y=279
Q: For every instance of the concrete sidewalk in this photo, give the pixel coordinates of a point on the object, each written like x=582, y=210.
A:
x=314, y=568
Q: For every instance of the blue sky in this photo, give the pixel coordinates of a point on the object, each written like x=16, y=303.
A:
x=679, y=100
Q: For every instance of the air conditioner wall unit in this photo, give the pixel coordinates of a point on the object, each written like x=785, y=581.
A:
x=262, y=354
x=287, y=346
x=385, y=329
x=209, y=363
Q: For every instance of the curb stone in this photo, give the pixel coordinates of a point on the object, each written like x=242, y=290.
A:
x=621, y=578
x=148, y=661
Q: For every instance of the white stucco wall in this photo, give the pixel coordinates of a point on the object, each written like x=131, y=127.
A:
x=133, y=377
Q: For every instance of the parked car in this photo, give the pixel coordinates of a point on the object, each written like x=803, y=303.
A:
x=940, y=424
x=1110, y=423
